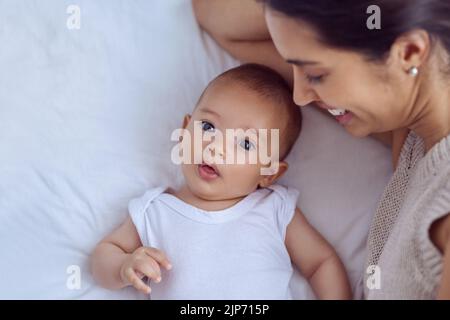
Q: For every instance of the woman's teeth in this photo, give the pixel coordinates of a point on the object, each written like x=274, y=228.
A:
x=337, y=112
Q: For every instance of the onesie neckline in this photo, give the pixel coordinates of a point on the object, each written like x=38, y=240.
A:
x=217, y=216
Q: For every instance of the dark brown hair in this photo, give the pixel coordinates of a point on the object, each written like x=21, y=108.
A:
x=342, y=23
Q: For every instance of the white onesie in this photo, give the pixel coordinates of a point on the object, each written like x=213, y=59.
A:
x=236, y=253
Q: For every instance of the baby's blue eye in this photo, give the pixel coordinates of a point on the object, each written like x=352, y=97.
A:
x=247, y=145
x=206, y=126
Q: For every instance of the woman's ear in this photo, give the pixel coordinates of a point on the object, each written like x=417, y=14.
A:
x=270, y=179
x=412, y=49
x=186, y=120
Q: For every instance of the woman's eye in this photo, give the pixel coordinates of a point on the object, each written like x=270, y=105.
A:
x=206, y=126
x=247, y=145
x=314, y=79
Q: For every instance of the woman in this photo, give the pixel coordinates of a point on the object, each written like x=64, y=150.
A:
x=392, y=82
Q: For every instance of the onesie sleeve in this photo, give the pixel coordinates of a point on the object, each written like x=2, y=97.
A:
x=138, y=209
x=285, y=205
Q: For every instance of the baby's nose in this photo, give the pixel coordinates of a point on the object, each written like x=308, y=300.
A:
x=213, y=149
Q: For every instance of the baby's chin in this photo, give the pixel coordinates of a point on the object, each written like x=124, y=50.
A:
x=212, y=191
x=205, y=191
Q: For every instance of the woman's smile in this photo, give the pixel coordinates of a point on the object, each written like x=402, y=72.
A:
x=342, y=115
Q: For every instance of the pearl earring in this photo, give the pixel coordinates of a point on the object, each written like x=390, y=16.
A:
x=413, y=71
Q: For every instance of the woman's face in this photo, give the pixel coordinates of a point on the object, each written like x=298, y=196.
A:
x=377, y=96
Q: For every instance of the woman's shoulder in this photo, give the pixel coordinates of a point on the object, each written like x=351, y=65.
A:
x=432, y=221
x=435, y=200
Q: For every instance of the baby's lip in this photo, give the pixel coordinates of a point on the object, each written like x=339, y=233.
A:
x=213, y=166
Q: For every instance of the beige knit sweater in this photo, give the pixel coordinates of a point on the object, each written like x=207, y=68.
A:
x=410, y=266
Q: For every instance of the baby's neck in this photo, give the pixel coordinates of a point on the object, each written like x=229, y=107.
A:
x=186, y=195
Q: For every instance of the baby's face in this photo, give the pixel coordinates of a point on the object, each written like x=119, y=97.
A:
x=235, y=107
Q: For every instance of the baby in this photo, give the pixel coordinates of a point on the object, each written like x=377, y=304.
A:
x=228, y=232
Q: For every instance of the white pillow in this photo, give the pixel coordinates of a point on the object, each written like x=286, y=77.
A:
x=86, y=117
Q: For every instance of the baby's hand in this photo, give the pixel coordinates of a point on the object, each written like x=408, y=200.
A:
x=144, y=261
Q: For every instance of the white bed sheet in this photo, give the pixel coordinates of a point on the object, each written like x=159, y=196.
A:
x=85, y=123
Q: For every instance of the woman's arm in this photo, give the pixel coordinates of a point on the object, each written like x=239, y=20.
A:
x=444, y=289
x=440, y=236
x=235, y=20
x=239, y=27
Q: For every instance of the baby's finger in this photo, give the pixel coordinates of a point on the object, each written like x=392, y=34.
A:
x=133, y=278
x=150, y=268
x=159, y=256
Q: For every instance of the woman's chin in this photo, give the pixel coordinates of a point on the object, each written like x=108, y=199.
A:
x=357, y=131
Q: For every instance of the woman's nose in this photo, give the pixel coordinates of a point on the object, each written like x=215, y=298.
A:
x=303, y=93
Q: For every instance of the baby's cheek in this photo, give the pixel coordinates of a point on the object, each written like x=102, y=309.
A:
x=244, y=176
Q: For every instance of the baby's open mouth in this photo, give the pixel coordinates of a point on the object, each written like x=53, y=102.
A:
x=207, y=172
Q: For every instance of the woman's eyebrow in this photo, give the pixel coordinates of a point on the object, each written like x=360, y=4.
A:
x=300, y=63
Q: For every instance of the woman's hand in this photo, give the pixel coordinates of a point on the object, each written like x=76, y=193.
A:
x=144, y=261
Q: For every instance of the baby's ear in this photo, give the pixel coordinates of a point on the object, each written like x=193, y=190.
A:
x=186, y=120
x=268, y=180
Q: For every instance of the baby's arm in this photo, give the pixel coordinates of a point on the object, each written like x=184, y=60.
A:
x=120, y=260
x=316, y=259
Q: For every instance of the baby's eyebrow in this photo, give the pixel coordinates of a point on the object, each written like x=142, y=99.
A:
x=205, y=110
